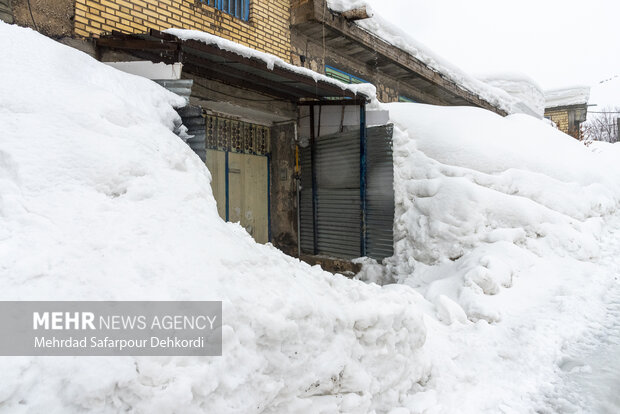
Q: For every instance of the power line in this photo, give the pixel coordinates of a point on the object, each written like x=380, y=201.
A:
x=32, y=17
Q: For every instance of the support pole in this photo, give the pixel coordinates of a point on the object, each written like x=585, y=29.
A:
x=363, y=173
x=315, y=204
x=227, y=180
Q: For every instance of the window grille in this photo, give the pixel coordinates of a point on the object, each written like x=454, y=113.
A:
x=226, y=134
x=237, y=8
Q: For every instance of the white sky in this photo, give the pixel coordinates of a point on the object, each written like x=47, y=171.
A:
x=556, y=42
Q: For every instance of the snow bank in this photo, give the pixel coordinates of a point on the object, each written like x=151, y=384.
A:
x=498, y=225
x=467, y=178
x=99, y=200
x=576, y=95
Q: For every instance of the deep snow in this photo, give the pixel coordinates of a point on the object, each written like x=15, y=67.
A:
x=504, y=226
x=99, y=200
x=506, y=269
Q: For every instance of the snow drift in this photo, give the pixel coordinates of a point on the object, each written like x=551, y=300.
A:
x=99, y=200
x=500, y=225
x=477, y=191
x=500, y=228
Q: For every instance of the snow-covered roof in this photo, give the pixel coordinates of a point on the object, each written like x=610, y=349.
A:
x=393, y=35
x=521, y=87
x=270, y=60
x=577, y=95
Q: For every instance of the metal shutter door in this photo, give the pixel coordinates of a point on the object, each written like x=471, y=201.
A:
x=339, y=216
x=338, y=196
x=380, y=193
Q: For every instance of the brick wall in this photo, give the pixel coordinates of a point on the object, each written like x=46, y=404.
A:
x=560, y=117
x=266, y=30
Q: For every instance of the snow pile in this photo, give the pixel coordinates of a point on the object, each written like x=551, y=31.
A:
x=393, y=35
x=270, y=60
x=578, y=95
x=498, y=225
x=99, y=200
x=468, y=179
x=342, y=6
x=530, y=96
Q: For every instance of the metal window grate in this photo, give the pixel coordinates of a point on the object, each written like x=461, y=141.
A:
x=226, y=134
x=237, y=8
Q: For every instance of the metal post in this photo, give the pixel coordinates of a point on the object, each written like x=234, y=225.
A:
x=298, y=189
x=315, y=204
x=269, y=197
x=363, y=150
x=227, y=180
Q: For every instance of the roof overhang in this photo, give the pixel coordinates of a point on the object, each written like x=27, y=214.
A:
x=315, y=20
x=212, y=62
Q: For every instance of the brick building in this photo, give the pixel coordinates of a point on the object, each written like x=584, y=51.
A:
x=568, y=108
x=276, y=122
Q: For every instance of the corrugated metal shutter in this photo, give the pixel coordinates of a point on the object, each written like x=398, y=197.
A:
x=194, y=121
x=338, y=196
x=182, y=87
x=339, y=216
x=306, y=220
x=191, y=116
x=380, y=193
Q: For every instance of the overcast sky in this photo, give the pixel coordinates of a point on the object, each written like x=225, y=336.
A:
x=556, y=42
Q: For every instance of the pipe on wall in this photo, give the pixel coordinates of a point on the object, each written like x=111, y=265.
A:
x=295, y=123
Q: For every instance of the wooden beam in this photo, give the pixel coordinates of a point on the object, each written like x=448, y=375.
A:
x=190, y=52
x=359, y=13
x=335, y=102
x=195, y=47
x=236, y=82
x=229, y=71
x=136, y=44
